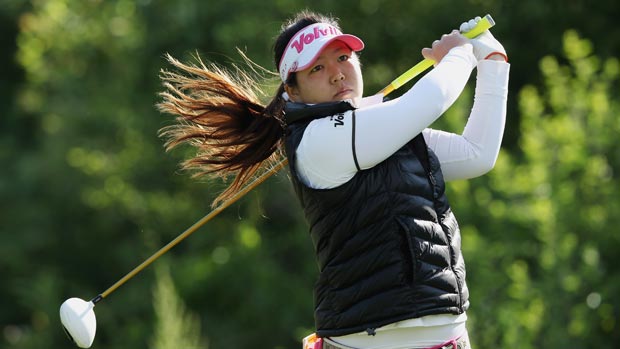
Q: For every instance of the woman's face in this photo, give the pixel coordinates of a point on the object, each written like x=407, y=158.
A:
x=335, y=76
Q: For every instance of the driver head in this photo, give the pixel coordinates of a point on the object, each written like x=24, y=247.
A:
x=78, y=318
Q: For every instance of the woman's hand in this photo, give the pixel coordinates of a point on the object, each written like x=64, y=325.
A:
x=485, y=45
x=441, y=47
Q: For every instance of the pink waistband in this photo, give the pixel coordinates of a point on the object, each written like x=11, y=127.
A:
x=451, y=342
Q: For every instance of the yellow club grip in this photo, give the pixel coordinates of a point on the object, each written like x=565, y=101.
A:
x=485, y=23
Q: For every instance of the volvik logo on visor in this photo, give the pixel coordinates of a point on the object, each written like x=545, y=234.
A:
x=308, y=38
x=305, y=46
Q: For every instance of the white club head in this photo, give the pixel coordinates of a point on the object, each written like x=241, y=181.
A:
x=78, y=318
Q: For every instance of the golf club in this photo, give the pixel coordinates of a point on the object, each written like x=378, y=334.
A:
x=78, y=317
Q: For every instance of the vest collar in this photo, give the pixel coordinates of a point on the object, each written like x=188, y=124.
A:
x=296, y=112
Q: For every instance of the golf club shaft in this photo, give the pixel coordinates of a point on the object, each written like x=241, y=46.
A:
x=484, y=24
x=277, y=167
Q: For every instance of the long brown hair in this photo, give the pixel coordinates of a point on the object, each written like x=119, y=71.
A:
x=219, y=113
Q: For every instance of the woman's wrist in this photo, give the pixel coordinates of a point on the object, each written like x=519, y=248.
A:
x=497, y=56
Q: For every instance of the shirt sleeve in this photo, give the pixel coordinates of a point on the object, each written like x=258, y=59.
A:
x=475, y=151
x=332, y=148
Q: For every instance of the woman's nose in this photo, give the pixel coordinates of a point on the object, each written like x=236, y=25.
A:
x=338, y=76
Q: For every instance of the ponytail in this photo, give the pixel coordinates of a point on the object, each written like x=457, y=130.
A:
x=219, y=114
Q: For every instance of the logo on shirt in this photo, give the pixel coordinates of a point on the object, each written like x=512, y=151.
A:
x=338, y=119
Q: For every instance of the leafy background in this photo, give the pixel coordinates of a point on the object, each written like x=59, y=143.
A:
x=87, y=192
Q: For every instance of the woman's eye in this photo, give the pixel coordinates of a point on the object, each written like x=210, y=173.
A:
x=316, y=68
x=343, y=58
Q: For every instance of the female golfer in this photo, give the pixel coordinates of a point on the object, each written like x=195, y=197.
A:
x=370, y=177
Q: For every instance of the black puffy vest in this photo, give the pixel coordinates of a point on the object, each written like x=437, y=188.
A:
x=387, y=244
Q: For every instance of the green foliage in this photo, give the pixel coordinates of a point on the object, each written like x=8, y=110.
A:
x=88, y=193
x=175, y=326
x=541, y=268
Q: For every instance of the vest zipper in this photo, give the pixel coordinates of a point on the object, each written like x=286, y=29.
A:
x=433, y=181
x=425, y=159
x=458, y=284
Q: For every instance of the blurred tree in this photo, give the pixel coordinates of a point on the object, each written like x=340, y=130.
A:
x=87, y=192
x=538, y=228
x=175, y=326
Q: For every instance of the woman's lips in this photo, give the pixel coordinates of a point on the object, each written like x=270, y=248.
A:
x=343, y=92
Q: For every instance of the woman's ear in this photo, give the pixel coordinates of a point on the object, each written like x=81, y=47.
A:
x=292, y=92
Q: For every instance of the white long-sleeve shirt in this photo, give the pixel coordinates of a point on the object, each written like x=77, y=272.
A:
x=326, y=156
